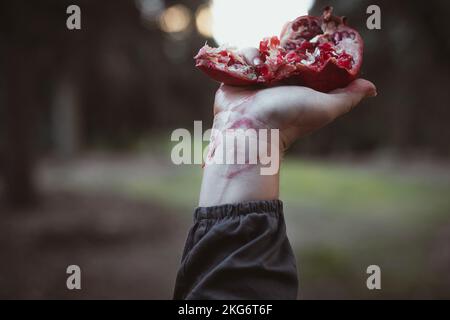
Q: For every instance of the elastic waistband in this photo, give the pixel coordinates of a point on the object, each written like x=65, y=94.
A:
x=239, y=209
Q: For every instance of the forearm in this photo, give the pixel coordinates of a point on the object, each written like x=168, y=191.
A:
x=239, y=203
x=236, y=136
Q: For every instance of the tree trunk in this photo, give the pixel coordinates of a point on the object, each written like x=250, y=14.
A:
x=19, y=133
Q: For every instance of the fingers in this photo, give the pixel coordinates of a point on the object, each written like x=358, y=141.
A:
x=359, y=85
x=343, y=100
x=251, y=55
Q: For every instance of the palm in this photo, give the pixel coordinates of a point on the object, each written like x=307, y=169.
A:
x=294, y=110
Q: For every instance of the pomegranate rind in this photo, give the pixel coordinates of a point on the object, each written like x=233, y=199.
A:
x=223, y=76
x=288, y=34
x=330, y=77
x=219, y=72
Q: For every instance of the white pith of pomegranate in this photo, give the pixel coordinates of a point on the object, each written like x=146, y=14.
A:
x=321, y=53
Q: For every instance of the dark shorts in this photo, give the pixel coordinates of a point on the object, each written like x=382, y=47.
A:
x=238, y=252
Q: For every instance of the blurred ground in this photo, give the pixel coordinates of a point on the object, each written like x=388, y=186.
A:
x=126, y=249
x=124, y=219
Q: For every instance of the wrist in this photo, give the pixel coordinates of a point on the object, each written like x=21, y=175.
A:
x=228, y=184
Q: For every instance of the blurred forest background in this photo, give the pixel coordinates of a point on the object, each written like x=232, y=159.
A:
x=86, y=176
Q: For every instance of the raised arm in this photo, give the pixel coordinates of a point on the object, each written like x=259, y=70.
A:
x=238, y=247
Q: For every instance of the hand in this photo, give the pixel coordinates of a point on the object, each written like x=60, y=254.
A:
x=295, y=111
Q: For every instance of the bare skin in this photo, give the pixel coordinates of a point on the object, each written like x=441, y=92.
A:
x=295, y=111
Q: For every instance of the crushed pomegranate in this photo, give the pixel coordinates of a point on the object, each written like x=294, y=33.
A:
x=313, y=53
x=310, y=51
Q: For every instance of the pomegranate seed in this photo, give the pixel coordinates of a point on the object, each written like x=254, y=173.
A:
x=274, y=42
